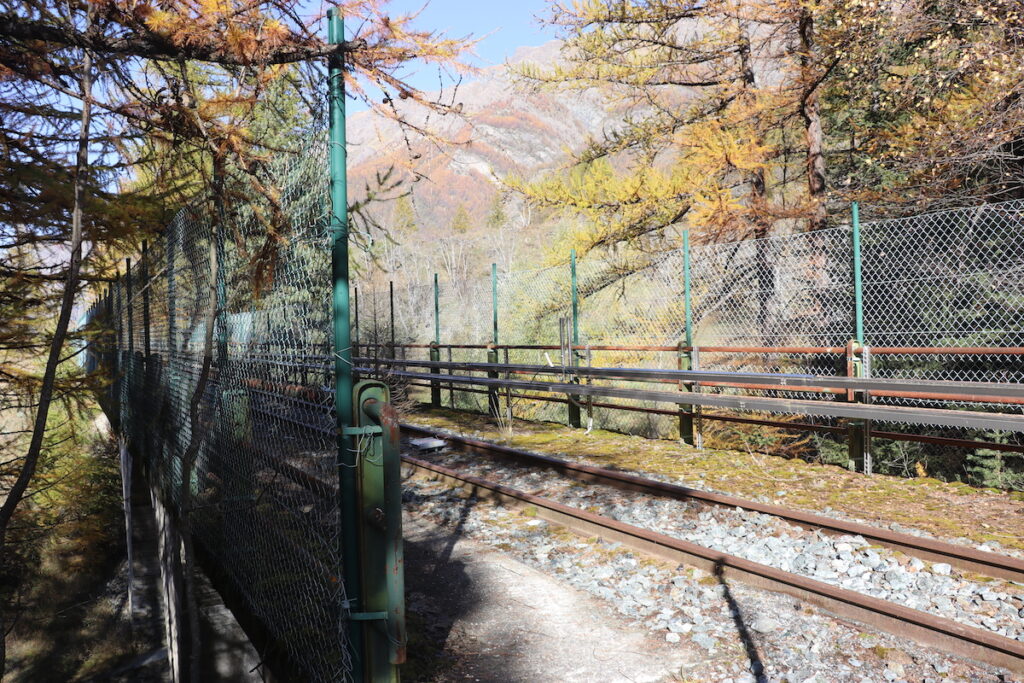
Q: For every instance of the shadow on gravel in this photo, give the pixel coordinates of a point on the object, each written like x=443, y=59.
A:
x=756, y=665
x=439, y=592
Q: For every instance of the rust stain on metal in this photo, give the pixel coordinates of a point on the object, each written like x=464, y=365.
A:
x=925, y=628
x=990, y=564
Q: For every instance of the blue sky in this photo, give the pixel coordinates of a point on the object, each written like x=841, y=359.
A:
x=502, y=27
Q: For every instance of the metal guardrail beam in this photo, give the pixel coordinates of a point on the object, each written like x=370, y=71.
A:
x=966, y=391
x=899, y=414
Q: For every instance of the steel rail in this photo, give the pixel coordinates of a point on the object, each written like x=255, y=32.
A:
x=903, y=621
x=962, y=557
x=968, y=391
x=881, y=413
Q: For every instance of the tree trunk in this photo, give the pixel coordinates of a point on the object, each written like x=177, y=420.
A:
x=764, y=264
x=758, y=185
x=811, y=114
x=53, y=360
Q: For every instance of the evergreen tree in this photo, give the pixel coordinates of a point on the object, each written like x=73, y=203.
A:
x=460, y=224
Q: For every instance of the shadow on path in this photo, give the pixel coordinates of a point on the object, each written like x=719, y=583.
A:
x=749, y=646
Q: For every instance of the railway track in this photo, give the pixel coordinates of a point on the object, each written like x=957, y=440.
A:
x=928, y=629
x=961, y=557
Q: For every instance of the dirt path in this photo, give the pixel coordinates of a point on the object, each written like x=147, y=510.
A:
x=479, y=615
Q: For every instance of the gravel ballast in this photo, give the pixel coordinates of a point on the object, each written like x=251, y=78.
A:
x=849, y=562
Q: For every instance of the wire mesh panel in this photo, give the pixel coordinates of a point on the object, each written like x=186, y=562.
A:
x=942, y=298
x=953, y=279
x=795, y=290
x=232, y=411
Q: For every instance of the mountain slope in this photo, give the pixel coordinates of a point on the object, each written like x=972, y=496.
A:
x=503, y=129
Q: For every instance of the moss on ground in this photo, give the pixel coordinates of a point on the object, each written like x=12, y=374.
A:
x=949, y=510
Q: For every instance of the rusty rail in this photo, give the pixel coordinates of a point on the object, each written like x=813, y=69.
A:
x=970, y=559
x=925, y=628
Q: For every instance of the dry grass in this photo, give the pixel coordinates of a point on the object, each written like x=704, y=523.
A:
x=70, y=616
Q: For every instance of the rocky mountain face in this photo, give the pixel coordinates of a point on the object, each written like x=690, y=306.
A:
x=502, y=129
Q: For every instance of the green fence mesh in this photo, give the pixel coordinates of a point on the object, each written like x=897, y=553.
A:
x=247, y=456
x=244, y=452
x=945, y=280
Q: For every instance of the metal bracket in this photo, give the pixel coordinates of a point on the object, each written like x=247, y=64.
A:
x=362, y=431
x=368, y=616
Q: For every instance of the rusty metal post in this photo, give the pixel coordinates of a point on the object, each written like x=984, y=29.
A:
x=857, y=430
x=493, y=405
x=574, y=341
x=435, y=350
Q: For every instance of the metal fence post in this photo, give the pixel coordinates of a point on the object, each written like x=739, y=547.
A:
x=858, y=291
x=685, y=355
x=118, y=308
x=144, y=270
x=493, y=405
x=857, y=353
x=355, y=312
x=221, y=284
x=172, y=303
x=391, y=314
x=118, y=385
x=348, y=493
x=435, y=350
x=147, y=364
x=574, y=404
x=128, y=389
x=128, y=299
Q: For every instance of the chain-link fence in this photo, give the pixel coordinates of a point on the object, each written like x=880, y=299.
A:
x=941, y=298
x=222, y=335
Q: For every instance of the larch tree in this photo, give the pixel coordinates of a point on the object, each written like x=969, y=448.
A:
x=930, y=114
x=701, y=143
x=114, y=111
x=748, y=116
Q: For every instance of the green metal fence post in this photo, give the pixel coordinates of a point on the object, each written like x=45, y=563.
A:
x=435, y=350
x=117, y=365
x=391, y=308
x=221, y=283
x=128, y=299
x=144, y=271
x=858, y=291
x=172, y=303
x=859, y=431
x=493, y=405
x=574, y=342
x=348, y=460
x=131, y=374
x=355, y=312
x=685, y=355
x=494, y=303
